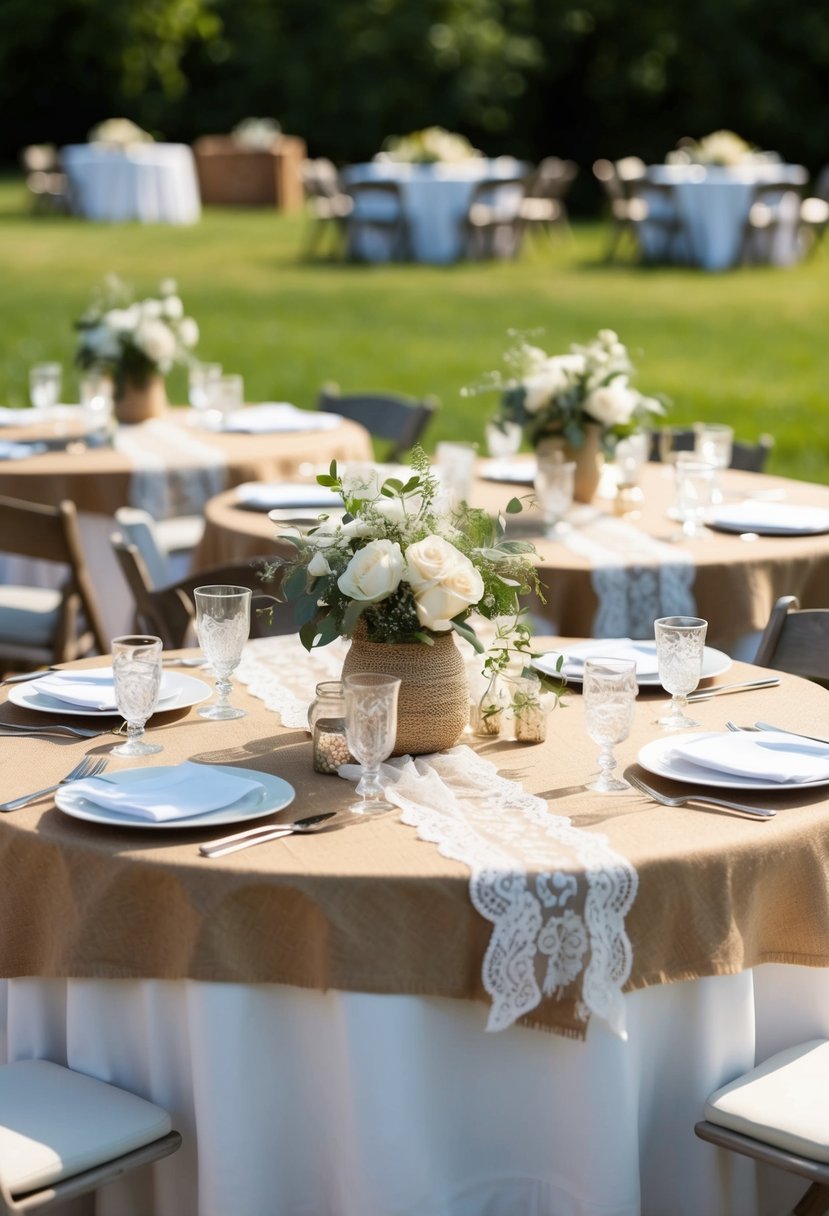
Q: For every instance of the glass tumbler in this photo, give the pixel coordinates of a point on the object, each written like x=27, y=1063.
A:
x=714, y=443
x=694, y=482
x=554, y=488
x=44, y=385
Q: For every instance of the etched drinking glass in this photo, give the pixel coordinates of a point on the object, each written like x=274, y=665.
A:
x=370, y=730
x=680, y=647
x=223, y=627
x=609, y=689
x=554, y=488
x=136, y=676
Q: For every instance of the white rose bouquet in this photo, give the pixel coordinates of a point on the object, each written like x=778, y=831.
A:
x=401, y=565
x=558, y=395
x=432, y=145
x=718, y=148
x=132, y=340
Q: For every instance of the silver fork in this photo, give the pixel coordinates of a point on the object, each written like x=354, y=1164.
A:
x=264, y=833
x=57, y=728
x=692, y=796
x=88, y=767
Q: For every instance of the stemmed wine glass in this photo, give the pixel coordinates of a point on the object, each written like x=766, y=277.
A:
x=609, y=691
x=554, y=487
x=714, y=442
x=136, y=676
x=223, y=627
x=680, y=647
x=695, y=480
x=370, y=730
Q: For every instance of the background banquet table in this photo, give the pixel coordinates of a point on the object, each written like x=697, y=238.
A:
x=153, y=183
x=713, y=202
x=436, y=198
x=611, y=575
x=311, y=1010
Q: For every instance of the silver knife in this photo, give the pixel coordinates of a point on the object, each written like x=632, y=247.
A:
x=795, y=733
x=704, y=694
x=261, y=834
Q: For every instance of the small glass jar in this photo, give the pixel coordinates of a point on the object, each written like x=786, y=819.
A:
x=326, y=718
x=527, y=712
x=486, y=707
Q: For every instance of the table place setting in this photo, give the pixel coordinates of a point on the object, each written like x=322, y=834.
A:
x=92, y=693
x=274, y=417
x=643, y=652
x=286, y=499
x=744, y=760
x=768, y=518
x=10, y=450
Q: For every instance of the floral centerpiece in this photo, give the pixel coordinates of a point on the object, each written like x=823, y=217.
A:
x=257, y=134
x=579, y=403
x=400, y=574
x=137, y=342
x=430, y=146
x=119, y=133
x=718, y=148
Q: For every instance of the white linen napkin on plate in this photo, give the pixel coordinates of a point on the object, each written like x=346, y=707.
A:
x=21, y=417
x=274, y=416
x=267, y=496
x=178, y=792
x=93, y=690
x=643, y=653
x=770, y=517
x=767, y=756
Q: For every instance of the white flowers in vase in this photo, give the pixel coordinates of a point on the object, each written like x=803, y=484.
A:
x=432, y=145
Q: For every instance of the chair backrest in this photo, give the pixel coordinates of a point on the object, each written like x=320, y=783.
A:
x=40, y=158
x=138, y=527
x=51, y=534
x=503, y=194
x=796, y=640
x=750, y=457
x=402, y=420
x=376, y=202
x=606, y=174
x=170, y=612
x=631, y=168
x=320, y=178
x=821, y=187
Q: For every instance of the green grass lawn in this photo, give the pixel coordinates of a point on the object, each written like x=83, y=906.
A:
x=747, y=347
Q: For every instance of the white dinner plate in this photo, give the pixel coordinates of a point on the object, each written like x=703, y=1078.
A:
x=271, y=795
x=714, y=663
x=653, y=757
x=184, y=691
x=515, y=472
x=769, y=519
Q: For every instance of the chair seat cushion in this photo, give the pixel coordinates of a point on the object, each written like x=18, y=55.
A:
x=55, y=1123
x=29, y=615
x=782, y=1102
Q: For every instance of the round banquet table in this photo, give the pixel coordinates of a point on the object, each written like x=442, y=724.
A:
x=714, y=201
x=152, y=183
x=436, y=198
x=613, y=577
x=311, y=1011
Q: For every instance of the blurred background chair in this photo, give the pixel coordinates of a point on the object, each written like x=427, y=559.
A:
x=64, y=1134
x=401, y=420
x=750, y=457
x=814, y=214
x=48, y=186
x=492, y=224
x=778, y=1113
x=542, y=209
x=169, y=611
x=644, y=214
x=166, y=545
x=40, y=625
x=327, y=205
x=378, y=214
x=775, y=204
x=796, y=640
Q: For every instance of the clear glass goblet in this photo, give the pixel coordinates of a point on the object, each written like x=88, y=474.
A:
x=554, y=488
x=694, y=483
x=199, y=378
x=136, y=676
x=609, y=689
x=223, y=627
x=680, y=647
x=370, y=731
x=714, y=442
x=44, y=385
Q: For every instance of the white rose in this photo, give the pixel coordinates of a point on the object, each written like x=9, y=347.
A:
x=396, y=510
x=157, y=343
x=151, y=309
x=173, y=308
x=373, y=573
x=318, y=565
x=614, y=404
x=122, y=320
x=188, y=332
x=608, y=337
x=444, y=582
x=430, y=560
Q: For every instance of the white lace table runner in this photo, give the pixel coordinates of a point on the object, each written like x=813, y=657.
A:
x=635, y=577
x=174, y=472
x=556, y=896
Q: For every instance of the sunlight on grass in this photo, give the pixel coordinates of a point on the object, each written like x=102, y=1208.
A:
x=746, y=347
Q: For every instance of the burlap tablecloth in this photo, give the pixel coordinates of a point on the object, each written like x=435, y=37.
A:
x=98, y=480
x=370, y=907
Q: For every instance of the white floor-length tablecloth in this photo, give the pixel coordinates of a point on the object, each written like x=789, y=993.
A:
x=337, y=1104
x=435, y=197
x=152, y=183
x=714, y=202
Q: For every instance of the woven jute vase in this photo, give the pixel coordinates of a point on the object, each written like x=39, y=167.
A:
x=589, y=459
x=136, y=402
x=433, y=706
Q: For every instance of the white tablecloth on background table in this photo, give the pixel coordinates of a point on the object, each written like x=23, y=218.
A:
x=436, y=199
x=343, y=1104
x=714, y=202
x=151, y=183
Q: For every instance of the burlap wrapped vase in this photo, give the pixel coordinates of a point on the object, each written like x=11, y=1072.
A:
x=589, y=459
x=433, y=706
x=136, y=401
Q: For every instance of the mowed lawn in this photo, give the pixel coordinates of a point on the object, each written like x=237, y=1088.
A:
x=748, y=347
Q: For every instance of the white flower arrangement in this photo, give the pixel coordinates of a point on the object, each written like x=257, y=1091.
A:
x=258, y=134
x=119, y=133
x=135, y=339
x=430, y=146
x=401, y=565
x=718, y=148
x=558, y=395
